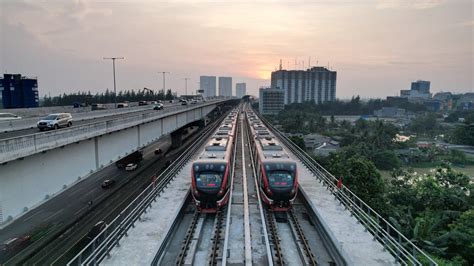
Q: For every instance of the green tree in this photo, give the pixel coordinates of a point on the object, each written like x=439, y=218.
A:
x=425, y=124
x=362, y=177
x=457, y=157
x=464, y=135
x=460, y=239
x=299, y=141
x=385, y=160
x=169, y=95
x=431, y=210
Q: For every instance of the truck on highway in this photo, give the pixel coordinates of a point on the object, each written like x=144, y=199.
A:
x=134, y=157
x=97, y=106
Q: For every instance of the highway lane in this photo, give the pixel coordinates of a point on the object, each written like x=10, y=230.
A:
x=73, y=202
x=23, y=132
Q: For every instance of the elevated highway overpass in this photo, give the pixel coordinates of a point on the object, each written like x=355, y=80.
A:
x=82, y=115
x=35, y=167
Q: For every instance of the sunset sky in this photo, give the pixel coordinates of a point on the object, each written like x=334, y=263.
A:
x=377, y=47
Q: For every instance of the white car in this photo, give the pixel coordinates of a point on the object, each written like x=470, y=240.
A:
x=55, y=121
x=131, y=167
x=8, y=116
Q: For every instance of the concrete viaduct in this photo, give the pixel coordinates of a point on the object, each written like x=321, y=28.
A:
x=35, y=167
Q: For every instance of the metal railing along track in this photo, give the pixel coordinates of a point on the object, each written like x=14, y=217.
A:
x=404, y=251
x=108, y=238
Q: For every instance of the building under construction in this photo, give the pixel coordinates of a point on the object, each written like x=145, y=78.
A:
x=17, y=91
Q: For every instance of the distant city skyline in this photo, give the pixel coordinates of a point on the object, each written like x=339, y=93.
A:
x=377, y=47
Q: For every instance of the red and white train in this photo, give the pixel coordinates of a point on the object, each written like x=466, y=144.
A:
x=277, y=175
x=211, y=173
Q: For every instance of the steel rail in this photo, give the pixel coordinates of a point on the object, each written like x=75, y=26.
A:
x=171, y=230
x=259, y=200
x=187, y=240
x=115, y=230
x=220, y=217
x=229, y=207
x=54, y=248
x=190, y=233
x=247, y=243
x=277, y=252
x=404, y=251
x=309, y=257
x=216, y=239
x=263, y=214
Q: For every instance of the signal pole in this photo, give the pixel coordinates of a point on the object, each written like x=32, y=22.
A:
x=113, y=66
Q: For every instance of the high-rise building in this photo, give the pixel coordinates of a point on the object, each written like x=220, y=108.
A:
x=18, y=92
x=421, y=85
x=271, y=101
x=419, y=92
x=225, y=86
x=240, y=90
x=207, y=86
x=317, y=84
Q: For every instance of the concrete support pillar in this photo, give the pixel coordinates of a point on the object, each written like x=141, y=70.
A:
x=176, y=139
x=96, y=152
x=138, y=134
x=202, y=123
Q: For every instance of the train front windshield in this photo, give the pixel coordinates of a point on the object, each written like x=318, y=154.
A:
x=208, y=179
x=280, y=179
x=209, y=176
x=281, y=176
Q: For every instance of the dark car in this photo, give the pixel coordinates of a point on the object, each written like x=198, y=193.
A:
x=95, y=231
x=141, y=103
x=184, y=102
x=158, y=151
x=158, y=107
x=108, y=183
x=15, y=243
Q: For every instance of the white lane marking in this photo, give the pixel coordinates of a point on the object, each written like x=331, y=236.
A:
x=54, y=214
x=79, y=211
x=32, y=216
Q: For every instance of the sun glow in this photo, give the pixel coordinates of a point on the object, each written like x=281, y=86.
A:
x=264, y=74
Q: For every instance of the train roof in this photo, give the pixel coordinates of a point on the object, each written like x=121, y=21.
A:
x=217, y=147
x=226, y=127
x=217, y=144
x=221, y=133
x=269, y=146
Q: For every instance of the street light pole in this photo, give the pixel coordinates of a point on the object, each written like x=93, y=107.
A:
x=186, y=86
x=164, y=86
x=113, y=66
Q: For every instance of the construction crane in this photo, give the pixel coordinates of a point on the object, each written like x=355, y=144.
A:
x=147, y=89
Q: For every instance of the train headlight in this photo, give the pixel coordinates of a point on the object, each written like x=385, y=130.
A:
x=221, y=191
x=196, y=192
